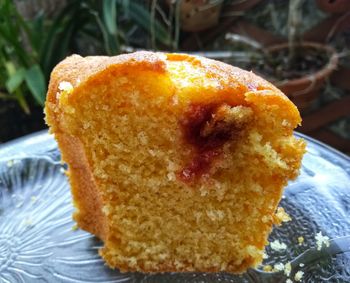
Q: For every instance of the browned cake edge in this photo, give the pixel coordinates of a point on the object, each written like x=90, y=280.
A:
x=75, y=70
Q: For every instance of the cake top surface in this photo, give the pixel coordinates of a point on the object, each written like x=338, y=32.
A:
x=199, y=79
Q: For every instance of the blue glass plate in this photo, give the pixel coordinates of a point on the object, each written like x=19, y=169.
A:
x=38, y=242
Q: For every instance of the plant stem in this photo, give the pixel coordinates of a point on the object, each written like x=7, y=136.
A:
x=177, y=24
x=153, y=15
x=294, y=23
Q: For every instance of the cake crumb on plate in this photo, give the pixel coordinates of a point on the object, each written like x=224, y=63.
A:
x=287, y=269
x=321, y=240
x=278, y=246
x=298, y=276
x=282, y=215
x=300, y=240
x=278, y=267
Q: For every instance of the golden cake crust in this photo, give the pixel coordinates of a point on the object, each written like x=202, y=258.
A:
x=76, y=70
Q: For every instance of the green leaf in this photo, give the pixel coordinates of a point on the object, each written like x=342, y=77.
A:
x=22, y=101
x=109, y=44
x=126, y=7
x=110, y=16
x=13, y=84
x=51, y=41
x=35, y=80
x=15, y=80
x=37, y=38
x=143, y=18
x=110, y=20
x=11, y=27
x=10, y=68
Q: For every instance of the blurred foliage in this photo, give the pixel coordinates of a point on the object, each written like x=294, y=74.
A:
x=20, y=69
x=272, y=15
x=29, y=49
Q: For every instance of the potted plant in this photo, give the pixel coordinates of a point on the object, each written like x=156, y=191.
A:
x=299, y=68
x=197, y=15
x=334, y=6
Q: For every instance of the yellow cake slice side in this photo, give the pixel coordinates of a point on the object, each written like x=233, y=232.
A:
x=162, y=198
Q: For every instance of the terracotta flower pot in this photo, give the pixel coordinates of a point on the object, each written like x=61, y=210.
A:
x=341, y=77
x=334, y=6
x=242, y=5
x=263, y=36
x=303, y=91
x=198, y=15
x=327, y=29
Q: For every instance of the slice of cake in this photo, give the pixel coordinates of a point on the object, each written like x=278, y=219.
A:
x=176, y=162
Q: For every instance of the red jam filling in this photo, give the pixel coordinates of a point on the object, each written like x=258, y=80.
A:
x=206, y=148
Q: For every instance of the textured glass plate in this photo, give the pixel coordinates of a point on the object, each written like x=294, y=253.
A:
x=38, y=242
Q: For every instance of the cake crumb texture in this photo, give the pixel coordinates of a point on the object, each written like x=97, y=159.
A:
x=176, y=162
